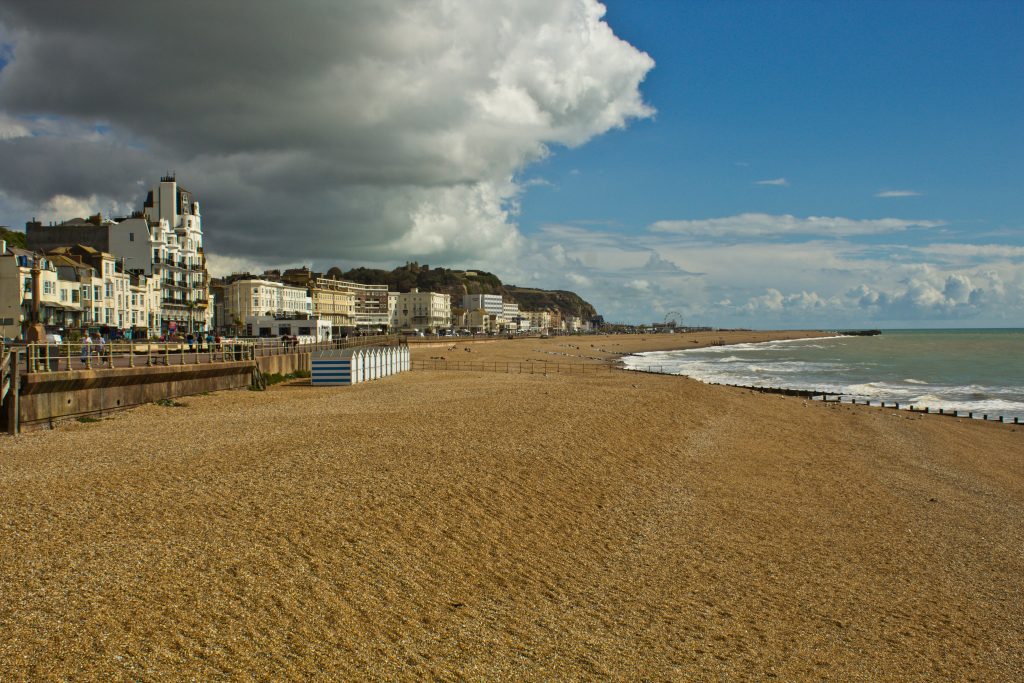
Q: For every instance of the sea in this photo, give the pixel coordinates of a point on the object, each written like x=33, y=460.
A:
x=967, y=370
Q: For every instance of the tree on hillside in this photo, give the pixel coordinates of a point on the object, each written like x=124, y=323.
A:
x=15, y=238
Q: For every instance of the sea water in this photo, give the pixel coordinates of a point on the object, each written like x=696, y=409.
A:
x=979, y=371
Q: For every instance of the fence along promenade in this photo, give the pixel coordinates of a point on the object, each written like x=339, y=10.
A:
x=520, y=368
x=76, y=356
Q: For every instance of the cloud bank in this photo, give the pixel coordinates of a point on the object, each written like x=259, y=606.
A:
x=355, y=131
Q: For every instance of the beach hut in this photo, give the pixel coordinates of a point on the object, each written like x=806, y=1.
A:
x=374, y=363
x=406, y=358
x=392, y=356
x=330, y=368
x=358, y=366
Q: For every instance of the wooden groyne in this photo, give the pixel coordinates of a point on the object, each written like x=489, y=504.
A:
x=830, y=397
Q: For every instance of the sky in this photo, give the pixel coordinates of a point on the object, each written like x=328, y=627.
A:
x=735, y=164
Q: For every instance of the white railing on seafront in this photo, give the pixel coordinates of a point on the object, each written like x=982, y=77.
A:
x=75, y=356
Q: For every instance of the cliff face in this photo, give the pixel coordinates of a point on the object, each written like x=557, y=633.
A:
x=568, y=303
x=456, y=283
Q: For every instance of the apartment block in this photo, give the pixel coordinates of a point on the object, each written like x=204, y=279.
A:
x=348, y=305
x=423, y=311
x=164, y=240
x=491, y=303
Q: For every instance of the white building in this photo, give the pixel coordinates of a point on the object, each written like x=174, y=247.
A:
x=306, y=329
x=539, y=320
x=423, y=311
x=393, y=311
x=491, y=303
x=244, y=298
x=510, y=315
x=165, y=240
x=16, y=291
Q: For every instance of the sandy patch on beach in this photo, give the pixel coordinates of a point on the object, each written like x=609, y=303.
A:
x=484, y=525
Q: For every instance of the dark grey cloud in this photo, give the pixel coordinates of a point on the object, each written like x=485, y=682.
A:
x=359, y=130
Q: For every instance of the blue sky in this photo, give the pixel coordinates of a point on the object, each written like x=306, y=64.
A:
x=838, y=104
x=843, y=100
x=755, y=164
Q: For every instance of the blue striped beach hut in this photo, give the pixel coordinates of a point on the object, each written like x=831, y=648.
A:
x=331, y=369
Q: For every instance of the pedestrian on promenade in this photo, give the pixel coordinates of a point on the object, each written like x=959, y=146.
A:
x=86, y=348
x=101, y=347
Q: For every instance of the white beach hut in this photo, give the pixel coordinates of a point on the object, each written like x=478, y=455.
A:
x=375, y=362
x=358, y=366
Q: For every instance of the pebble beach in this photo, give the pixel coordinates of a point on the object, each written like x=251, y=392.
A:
x=492, y=525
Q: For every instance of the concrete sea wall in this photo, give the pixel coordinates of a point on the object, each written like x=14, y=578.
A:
x=47, y=397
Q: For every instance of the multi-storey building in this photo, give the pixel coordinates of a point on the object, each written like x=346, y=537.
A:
x=510, y=316
x=164, y=240
x=16, y=291
x=393, y=311
x=539, y=320
x=243, y=297
x=491, y=303
x=107, y=289
x=348, y=305
x=424, y=311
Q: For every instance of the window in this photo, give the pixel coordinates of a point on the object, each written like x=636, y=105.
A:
x=63, y=295
x=28, y=284
x=109, y=289
x=131, y=238
x=108, y=315
x=134, y=301
x=96, y=293
x=74, y=296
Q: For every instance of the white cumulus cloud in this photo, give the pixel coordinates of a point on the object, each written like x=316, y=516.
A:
x=887, y=194
x=763, y=224
x=361, y=130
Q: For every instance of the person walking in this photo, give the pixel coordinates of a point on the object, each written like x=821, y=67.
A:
x=101, y=347
x=86, y=348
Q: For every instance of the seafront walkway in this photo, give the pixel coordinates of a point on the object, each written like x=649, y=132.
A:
x=43, y=383
x=71, y=357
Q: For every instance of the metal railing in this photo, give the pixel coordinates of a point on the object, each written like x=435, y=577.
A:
x=77, y=356
x=514, y=368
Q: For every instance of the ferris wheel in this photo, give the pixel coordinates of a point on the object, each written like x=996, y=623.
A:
x=673, y=319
